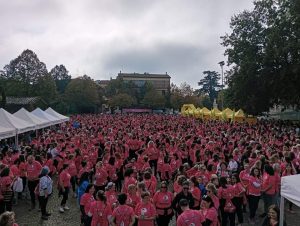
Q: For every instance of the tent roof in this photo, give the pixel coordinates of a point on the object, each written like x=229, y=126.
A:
x=27, y=116
x=7, y=132
x=205, y=111
x=63, y=118
x=10, y=121
x=228, y=113
x=290, y=188
x=44, y=115
x=239, y=114
x=216, y=111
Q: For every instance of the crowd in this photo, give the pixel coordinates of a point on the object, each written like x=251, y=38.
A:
x=146, y=169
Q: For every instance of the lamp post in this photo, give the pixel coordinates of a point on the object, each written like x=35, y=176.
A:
x=222, y=63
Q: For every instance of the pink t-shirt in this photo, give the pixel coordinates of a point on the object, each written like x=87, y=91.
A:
x=133, y=200
x=148, y=210
x=86, y=201
x=33, y=170
x=210, y=214
x=5, y=183
x=190, y=217
x=163, y=200
x=65, y=178
x=101, y=177
x=254, y=187
x=123, y=215
x=100, y=213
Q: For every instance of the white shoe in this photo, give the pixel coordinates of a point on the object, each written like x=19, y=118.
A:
x=61, y=209
x=66, y=208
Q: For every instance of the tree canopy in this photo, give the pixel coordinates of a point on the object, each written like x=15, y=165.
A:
x=263, y=51
x=210, y=84
x=81, y=95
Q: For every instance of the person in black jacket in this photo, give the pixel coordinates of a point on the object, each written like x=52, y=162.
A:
x=184, y=194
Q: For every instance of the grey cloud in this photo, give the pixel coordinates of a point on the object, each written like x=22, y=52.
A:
x=100, y=37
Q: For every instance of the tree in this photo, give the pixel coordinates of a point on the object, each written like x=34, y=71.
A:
x=26, y=69
x=46, y=89
x=81, y=95
x=186, y=89
x=122, y=100
x=2, y=93
x=210, y=84
x=154, y=99
x=264, y=52
x=61, y=77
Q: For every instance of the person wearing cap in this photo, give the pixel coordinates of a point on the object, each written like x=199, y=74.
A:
x=188, y=216
x=44, y=187
x=110, y=193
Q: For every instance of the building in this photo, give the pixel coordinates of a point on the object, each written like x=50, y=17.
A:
x=103, y=83
x=13, y=104
x=161, y=82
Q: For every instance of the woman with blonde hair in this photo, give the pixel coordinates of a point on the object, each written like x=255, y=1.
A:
x=8, y=219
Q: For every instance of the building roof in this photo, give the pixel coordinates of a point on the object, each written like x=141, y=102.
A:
x=103, y=81
x=22, y=100
x=145, y=75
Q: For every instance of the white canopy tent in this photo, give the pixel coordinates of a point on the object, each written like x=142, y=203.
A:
x=44, y=115
x=290, y=190
x=27, y=116
x=7, y=132
x=63, y=118
x=10, y=121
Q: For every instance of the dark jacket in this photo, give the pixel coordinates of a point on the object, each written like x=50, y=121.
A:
x=178, y=197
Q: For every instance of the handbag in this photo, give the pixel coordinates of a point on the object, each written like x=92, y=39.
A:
x=229, y=206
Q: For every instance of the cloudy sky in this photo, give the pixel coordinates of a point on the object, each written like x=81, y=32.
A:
x=101, y=37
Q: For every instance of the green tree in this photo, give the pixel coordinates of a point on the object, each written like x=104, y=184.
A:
x=263, y=50
x=122, y=100
x=2, y=93
x=154, y=99
x=26, y=69
x=61, y=77
x=46, y=89
x=176, y=97
x=81, y=95
x=210, y=84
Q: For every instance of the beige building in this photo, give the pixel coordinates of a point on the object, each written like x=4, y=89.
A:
x=161, y=82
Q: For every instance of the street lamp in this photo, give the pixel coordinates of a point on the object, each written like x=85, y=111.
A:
x=222, y=63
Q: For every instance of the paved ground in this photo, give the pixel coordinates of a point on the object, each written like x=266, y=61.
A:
x=72, y=217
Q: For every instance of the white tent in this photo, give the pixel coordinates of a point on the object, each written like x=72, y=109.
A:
x=44, y=115
x=63, y=118
x=10, y=121
x=290, y=190
x=27, y=116
x=7, y=132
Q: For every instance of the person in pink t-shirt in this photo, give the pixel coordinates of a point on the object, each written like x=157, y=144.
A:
x=163, y=203
x=254, y=189
x=85, y=204
x=145, y=211
x=6, y=191
x=64, y=181
x=209, y=212
x=100, y=211
x=268, y=188
x=111, y=194
x=189, y=217
x=33, y=169
x=123, y=215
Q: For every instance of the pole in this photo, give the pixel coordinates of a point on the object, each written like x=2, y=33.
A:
x=222, y=63
x=281, y=211
x=222, y=88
